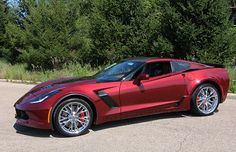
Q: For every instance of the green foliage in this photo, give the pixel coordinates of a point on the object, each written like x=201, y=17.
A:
x=57, y=38
x=19, y=72
x=3, y=21
x=49, y=34
x=121, y=29
x=200, y=28
x=232, y=74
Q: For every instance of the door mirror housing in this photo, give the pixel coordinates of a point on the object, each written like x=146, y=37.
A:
x=142, y=76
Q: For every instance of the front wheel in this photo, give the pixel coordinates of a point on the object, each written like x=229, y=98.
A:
x=73, y=117
x=205, y=100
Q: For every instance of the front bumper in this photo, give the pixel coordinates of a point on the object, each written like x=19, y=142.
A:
x=30, y=116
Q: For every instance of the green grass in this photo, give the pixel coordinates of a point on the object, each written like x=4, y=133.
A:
x=19, y=72
x=232, y=74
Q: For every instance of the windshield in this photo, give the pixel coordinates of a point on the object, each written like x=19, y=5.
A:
x=117, y=71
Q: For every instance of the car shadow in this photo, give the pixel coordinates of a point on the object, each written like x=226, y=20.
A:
x=43, y=133
x=142, y=119
x=34, y=132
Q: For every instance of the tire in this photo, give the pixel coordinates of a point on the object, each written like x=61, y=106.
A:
x=205, y=100
x=73, y=117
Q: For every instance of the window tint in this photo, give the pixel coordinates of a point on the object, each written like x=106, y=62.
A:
x=116, y=72
x=138, y=72
x=178, y=66
x=157, y=68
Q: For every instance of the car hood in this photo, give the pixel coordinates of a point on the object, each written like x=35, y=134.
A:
x=51, y=85
x=60, y=84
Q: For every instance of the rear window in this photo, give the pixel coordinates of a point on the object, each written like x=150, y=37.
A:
x=179, y=66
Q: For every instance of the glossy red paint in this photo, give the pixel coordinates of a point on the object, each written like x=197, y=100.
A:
x=165, y=93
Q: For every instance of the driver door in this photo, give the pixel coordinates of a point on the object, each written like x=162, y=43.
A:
x=161, y=92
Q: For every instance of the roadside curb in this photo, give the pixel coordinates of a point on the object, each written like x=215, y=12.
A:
x=231, y=96
x=19, y=81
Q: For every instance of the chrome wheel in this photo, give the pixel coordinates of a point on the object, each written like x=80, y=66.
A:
x=207, y=100
x=74, y=118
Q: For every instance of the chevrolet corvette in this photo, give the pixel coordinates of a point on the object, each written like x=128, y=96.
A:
x=130, y=88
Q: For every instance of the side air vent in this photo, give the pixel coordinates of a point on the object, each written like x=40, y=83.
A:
x=107, y=99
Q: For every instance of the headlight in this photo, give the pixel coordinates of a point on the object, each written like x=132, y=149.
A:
x=44, y=97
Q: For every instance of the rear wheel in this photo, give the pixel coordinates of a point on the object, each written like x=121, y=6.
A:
x=73, y=117
x=205, y=100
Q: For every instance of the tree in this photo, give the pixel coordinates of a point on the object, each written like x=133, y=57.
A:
x=199, y=29
x=3, y=21
x=47, y=34
x=121, y=29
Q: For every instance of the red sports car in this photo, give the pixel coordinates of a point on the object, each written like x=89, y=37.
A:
x=130, y=88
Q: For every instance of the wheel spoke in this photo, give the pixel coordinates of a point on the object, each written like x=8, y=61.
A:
x=213, y=96
x=211, y=101
x=84, y=118
x=63, y=119
x=207, y=100
x=211, y=92
x=200, y=104
x=71, y=126
x=76, y=118
x=202, y=92
x=65, y=123
x=199, y=99
x=82, y=112
x=77, y=109
x=209, y=105
x=205, y=91
x=70, y=107
x=206, y=107
x=65, y=110
x=76, y=126
x=82, y=122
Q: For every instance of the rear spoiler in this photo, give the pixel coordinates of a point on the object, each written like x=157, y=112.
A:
x=215, y=65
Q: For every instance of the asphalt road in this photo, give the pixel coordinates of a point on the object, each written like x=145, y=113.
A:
x=165, y=133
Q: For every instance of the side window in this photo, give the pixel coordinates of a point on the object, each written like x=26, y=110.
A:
x=178, y=66
x=157, y=68
x=138, y=72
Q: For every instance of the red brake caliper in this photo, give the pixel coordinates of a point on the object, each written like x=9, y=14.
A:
x=82, y=117
x=198, y=100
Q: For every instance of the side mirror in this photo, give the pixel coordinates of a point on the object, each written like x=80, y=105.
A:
x=137, y=81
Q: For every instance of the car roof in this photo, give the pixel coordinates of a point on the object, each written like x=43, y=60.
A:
x=141, y=59
x=153, y=59
x=156, y=59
